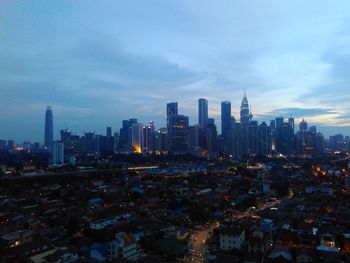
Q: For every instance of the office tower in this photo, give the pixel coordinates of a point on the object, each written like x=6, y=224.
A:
x=132, y=121
x=211, y=141
x=309, y=143
x=279, y=123
x=303, y=126
x=171, y=109
x=48, y=128
x=291, y=124
x=233, y=122
x=109, y=131
x=136, y=137
x=178, y=134
x=65, y=136
x=236, y=141
x=87, y=143
x=245, y=112
x=57, y=153
x=202, y=113
x=116, y=141
x=336, y=142
x=247, y=132
x=226, y=121
x=272, y=124
x=194, y=137
x=221, y=145
x=253, y=139
x=285, y=139
x=161, y=141
x=123, y=135
x=313, y=129
x=148, y=138
x=273, y=134
x=319, y=143
x=211, y=121
x=146, y=131
x=264, y=139
x=71, y=142
x=124, y=143
x=105, y=145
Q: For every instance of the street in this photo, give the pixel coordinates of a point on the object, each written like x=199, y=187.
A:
x=199, y=247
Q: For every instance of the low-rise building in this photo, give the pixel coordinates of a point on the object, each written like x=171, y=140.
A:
x=231, y=238
x=125, y=246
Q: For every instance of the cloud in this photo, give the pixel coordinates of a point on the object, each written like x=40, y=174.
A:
x=299, y=112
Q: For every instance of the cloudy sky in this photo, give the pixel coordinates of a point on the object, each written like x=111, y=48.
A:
x=98, y=62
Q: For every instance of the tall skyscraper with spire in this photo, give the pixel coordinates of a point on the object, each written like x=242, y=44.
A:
x=245, y=112
x=246, y=130
x=48, y=141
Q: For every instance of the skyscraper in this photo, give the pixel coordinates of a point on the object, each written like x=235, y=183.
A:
x=226, y=120
x=211, y=140
x=171, y=109
x=109, y=131
x=136, y=138
x=57, y=153
x=202, y=113
x=245, y=113
x=48, y=128
x=247, y=140
x=292, y=124
x=178, y=133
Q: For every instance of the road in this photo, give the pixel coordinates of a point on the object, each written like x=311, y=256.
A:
x=199, y=244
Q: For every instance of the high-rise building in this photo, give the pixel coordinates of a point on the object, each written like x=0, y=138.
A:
x=161, y=141
x=124, y=143
x=248, y=134
x=264, y=139
x=57, y=153
x=286, y=139
x=202, y=113
x=245, y=112
x=171, y=109
x=226, y=120
x=253, y=139
x=291, y=124
x=279, y=123
x=178, y=133
x=109, y=131
x=88, y=143
x=211, y=140
x=48, y=128
x=71, y=142
x=303, y=126
x=123, y=135
x=194, y=133
x=319, y=143
x=135, y=132
x=105, y=145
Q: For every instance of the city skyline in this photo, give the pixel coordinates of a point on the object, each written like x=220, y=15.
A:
x=54, y=133
x=102, y=64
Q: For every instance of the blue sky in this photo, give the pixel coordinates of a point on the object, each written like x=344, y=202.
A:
x=98, y=62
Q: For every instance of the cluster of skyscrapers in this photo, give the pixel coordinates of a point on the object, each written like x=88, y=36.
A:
x=237, y=138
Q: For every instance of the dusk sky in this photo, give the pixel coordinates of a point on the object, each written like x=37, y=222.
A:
x=98, y=62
